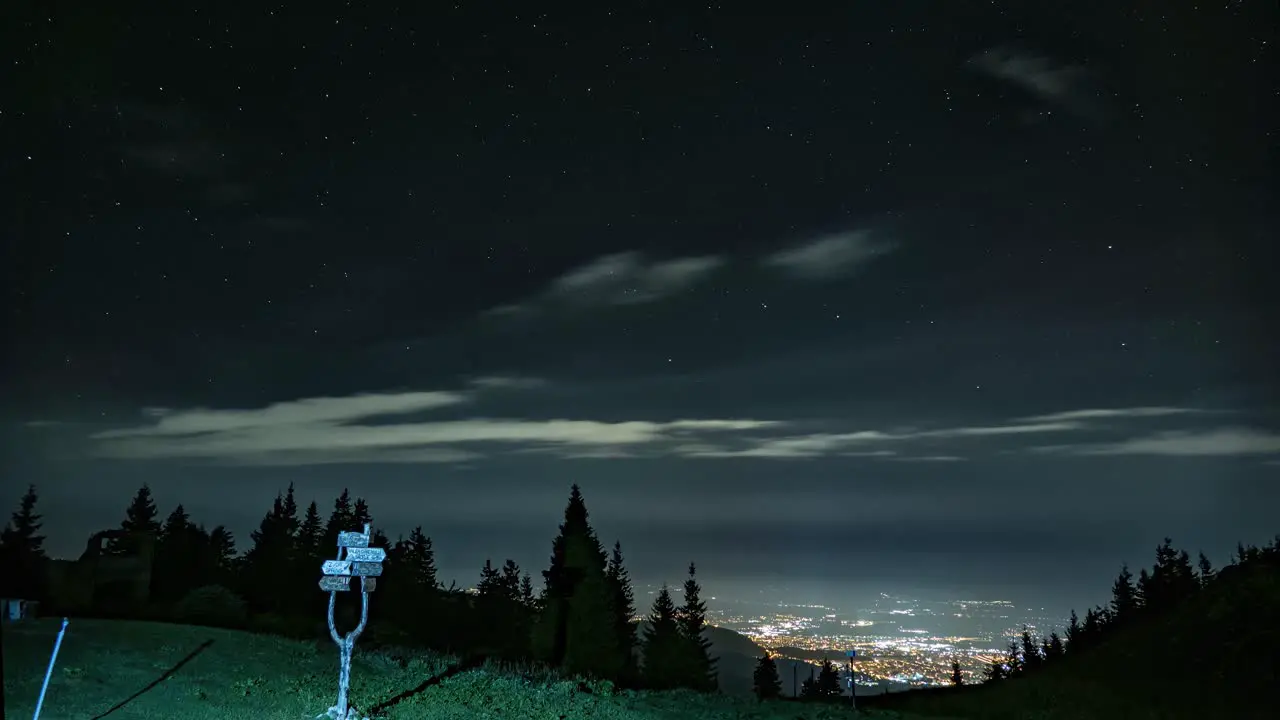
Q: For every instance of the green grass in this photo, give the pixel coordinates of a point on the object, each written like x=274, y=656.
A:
x=182, y=672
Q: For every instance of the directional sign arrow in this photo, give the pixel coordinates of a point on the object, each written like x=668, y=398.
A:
x=353, y=540
x=366, y=569
x=335, y=584
x=336, y=567
x=371, y=554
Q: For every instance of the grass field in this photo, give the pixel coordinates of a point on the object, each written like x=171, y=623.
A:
x=157, y=671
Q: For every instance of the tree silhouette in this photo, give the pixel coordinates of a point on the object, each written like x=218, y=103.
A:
x=269, y=560
x=341, y=519
x=697, y=665
x=1074, y=630
x=624, y=609
x=175, y=559
x=575, y=626
x=995, y=671
x=139, y=525
x=662, y=643
x=957, y=677
x=1204, y=570
x=765, y=682
x=1013, y=658
x=828, y=685
x=1124, y=603
x=22, y=551
x=1031, y=657
x=1052, y=647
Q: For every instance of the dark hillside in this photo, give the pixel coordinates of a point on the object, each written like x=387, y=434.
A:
x=1214, y=656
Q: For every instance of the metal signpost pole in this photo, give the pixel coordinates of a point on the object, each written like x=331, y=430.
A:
x=853, y=686
x=355, y=559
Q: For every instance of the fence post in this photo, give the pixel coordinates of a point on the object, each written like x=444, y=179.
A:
x=355, y=559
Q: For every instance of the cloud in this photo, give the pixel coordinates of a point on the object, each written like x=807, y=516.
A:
x=1099, y=414
x=849, y=444
x=334, y=430
x=929, y=458
x=1063, y=85
x=1218, y=442
x=828, y=257
x=506, y=382
x=626, y=278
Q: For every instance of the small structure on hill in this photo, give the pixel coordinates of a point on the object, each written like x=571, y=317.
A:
x=98, y=580
x=15, y=609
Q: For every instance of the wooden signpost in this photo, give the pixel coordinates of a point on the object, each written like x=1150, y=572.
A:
x=356, y=559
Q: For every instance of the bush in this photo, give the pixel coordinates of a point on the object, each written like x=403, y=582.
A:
x=212, y=605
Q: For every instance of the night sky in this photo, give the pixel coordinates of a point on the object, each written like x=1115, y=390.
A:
x=905, y=297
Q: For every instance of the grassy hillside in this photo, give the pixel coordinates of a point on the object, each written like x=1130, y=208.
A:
x=1216, y=656
x=181, y=672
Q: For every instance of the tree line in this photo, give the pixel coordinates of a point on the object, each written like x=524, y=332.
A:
x=581, y=621
x=1171, y=581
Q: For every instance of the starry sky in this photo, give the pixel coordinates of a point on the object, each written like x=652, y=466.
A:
x=969, y=300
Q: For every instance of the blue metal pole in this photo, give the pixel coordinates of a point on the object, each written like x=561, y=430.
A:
x=52, y=659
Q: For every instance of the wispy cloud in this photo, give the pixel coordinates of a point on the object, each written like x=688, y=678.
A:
x=507, y=382
x=336, y=430
x=1217, y=442
x=830, y=256
x=627, y=278
x=929, y=458
x=1106, y=413
x=1061, y=84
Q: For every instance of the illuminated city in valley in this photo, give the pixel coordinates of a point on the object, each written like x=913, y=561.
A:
x=900, y=641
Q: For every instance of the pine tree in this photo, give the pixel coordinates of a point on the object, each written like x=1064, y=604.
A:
x=624, y=610
x=957, y=676
x=1073, y=631
x=360, y=515
x=342, y=519
x=139, y=526
x=828, y=685
x=1031, y=657
x=1054, y=647
x=661, y=641
x=1013, y=658
x=698, y=666
x=527, y=598
x=575, y=626
x=174, y=562
x=995, y=671
x=765, y=682
x=1123, y=598
x=269, y=561
x=420, y=557
x=1205, y=571
x=22, y=552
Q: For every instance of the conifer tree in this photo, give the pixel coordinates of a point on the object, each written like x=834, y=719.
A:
x=341, y=519
x=698, y=666
x=139, y=526
x=1073, y=631
x=420, y=558
x=22, y=551
x=269, y=560
x=175, y=560
x=1031, y=657
x=624, y=610
x=828, y=685
x=662, y=644
x=765, y=682
x=957, y=676
x=1013, y=658
x=1205, y=571
x=575, y=626
x=995, y=671
x=527, y=597
x=1124, y=603
x=360, y=515
x=1055, y=648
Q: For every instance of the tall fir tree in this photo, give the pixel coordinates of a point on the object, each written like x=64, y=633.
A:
x=139, y=527
x=575, y=625
x=1204, y=570
x=22, y=551
x=698, y=665
x=175, y=561
x=268, y=564
x=341, y=519
x=624, y=609
x=1055, y=648
x=662, y=644
x=957, y=676
x=828, y=685
x=1073, y=631
x=1013, y=658
x=1124, y=602
x=995, y=671
x=765, y=682
x=1031, y=657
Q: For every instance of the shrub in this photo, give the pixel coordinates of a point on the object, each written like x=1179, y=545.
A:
x=212, y=605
